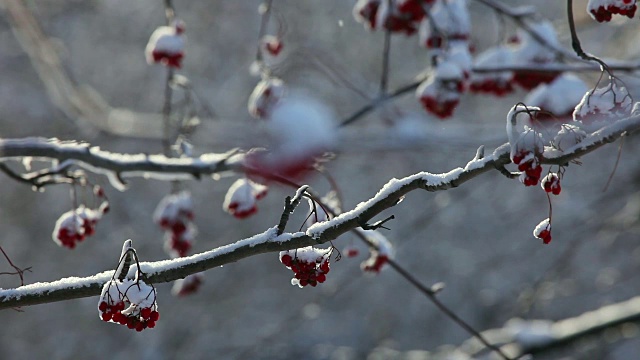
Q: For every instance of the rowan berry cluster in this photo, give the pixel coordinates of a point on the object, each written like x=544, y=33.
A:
x=309, y=265
x=242, y=197
x=174, y=214
x=603, y=10
x=76, y=225
x=166, y=45
x=131, y=303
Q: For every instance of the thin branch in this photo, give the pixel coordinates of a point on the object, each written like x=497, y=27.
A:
x=18, y=271
x=575, y=41
x=265, y=9
x=615, y=166
x=552, y=335
x=386, y=50
x=387, y=197
x=431, y=295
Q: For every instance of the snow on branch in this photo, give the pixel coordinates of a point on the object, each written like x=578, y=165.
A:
x=520, y=337
x=170, y=270
x=117, y=165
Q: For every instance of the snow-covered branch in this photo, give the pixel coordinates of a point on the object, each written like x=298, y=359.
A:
x=117, y=165
x=169, y=270
x=520, y=337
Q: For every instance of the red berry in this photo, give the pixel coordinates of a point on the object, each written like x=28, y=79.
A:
x=154, y=316
x=151, y=324
x=106, y=316
x=145, y=313
x=324, y=267
x=103, y=306
x=139, y=326
x=321, y=278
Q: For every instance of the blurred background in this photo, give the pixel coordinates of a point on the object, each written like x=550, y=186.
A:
x=476, y=238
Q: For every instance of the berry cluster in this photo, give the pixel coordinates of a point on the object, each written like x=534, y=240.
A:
x=351, y=251
x=496, y=83
x=440, y=93
x=603, y=10
x=551, y=184
x=602, y=105
x=187, y=286
x=449, y=25
x=300, y=132
x=375, y=262
x=266, y=95
x=272, y=45
x=130, y=302
x=242, y=197
x=530, y=166
x=310, y=265
x=402, y=16
x=76, y=225
x=166, y=45
x=543, y=231
x=381, y=251
x=174, y=214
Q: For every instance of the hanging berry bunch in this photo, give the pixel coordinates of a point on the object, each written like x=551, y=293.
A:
x=440, y=93
x=543, y=231
x=129, y=301
x=174, y=214
x=299, y=133
x=187, y=286
x=380, y=253
x=309, y=265
x=76, y=225
x=531, y=52
x=242, y=197
x=166, y=45
x=526, y=147
x=603, y=105
x=448, y=24
x=265, y=96
x=495, y=83
x=603, y=10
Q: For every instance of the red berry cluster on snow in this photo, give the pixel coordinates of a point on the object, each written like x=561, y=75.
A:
x=530, y=166
x=310, y=265
x=187, y=286
x=174, y=214
x=300, y=131
x=496, y=83
x=403, y=16
x=448, y=24
x=166, y=45
x=543, y=231
x=242, y=197
x=603, y=105
x=381, y=251
x=603, y=10
x=551, y=184
x=131, y=303
x=76, y=225
x=265, y=96
x=272, y=45
x=440, y=93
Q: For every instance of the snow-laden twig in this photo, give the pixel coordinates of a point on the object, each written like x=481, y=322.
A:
x=117, y=165
x=520, y=337
x=387, y=197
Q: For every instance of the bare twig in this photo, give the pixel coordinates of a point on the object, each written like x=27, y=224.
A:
x=18, y=271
